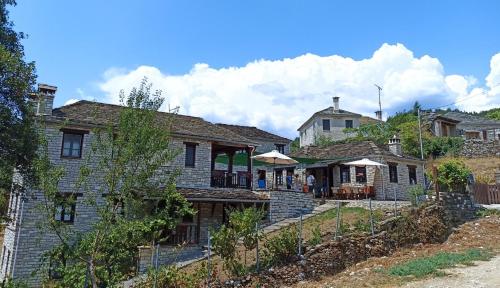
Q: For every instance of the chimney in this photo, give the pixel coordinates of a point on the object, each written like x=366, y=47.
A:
x=395, y=146
x=378, y=115
x=335, y=104
x=44, y=99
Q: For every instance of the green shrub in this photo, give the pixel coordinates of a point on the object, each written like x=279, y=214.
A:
x=453, y=175
x=361, y=225
x=415, y=192
x=487, y=212
x=441, y=146
x=430, y=265
x=316, y=236
x=172, y=276
x=281, y=248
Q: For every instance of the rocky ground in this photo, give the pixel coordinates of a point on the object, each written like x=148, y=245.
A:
x=483, y=233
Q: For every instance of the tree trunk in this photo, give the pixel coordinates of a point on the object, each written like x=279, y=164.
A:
x=93, y=277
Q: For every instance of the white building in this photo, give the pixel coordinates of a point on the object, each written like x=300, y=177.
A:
x=330, y=123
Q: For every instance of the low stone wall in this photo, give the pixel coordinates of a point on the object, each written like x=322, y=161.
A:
x=459, y=207
x=480, y=148
x=289, y=203
x=167, y=255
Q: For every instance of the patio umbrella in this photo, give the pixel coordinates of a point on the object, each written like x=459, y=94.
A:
x=274, y=157
x=368, y=162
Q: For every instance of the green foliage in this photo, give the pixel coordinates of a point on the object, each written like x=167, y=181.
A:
x=483, y=212
x=430, y=265
x=172, y=276
x=493, y=114
x=17, y=78
x=295, y=145
x=362, y=225
x=323, y=141
x=453, y=174
x=442, y=146
x=415, y=192
x=316, y=236
x=141, y=205
x=242, y=225
x=9, y=283
x=281, y=248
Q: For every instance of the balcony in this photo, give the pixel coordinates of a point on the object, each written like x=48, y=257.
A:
x=225, y=179
x=184, y=233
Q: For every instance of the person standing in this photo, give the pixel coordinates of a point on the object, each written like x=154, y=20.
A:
x=310, y=182
x=289, y=179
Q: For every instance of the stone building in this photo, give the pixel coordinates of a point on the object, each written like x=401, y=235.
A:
x=266, y=141
x=69, y=132
x=393, y=180
x=329, y=123
x=475, y=127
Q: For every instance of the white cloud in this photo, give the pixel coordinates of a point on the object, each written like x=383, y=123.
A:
x=70, y=101
x=279, y=95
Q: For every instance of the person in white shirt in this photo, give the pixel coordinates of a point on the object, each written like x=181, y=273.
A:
x=310, y=182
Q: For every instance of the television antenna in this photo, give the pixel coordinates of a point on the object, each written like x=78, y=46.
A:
x=379, y=102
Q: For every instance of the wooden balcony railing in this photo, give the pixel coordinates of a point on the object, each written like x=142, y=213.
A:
x=224, y=179
x=184, y=233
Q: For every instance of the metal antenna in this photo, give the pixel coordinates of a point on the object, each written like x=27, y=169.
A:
x=379, y=102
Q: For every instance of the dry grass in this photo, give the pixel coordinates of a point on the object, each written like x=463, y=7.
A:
x=480, y=234
x=483, y=167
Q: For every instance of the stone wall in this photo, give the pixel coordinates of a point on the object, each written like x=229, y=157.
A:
x=287, y=204
x=167, y=255
x=480, y=148
x=459, y=207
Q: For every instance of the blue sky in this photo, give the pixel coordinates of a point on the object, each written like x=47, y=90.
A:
x=91, y=49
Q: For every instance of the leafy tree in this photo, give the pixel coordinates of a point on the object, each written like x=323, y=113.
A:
x=140, y=206
x=453, y=174
x=493, y=114
x=295, y=145
x=17, y=78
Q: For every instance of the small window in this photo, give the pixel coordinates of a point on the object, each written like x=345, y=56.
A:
x=280, y=148
x=360, y=174
x=65, y=209
x=393, y=173
x=326, y=124
x=279, y=177
x=190, y=154
x=412, y=173
x=72, y=145
x=345, y=174
x=348, y=124
x=56, y=267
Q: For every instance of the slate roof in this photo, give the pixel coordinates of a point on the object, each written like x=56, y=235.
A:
x=469, y=119
x=96, y=113
x=329, y=112
x=342, y=151
x=255, y=134
x=222, y=195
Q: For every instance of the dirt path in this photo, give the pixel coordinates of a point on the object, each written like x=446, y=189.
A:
x=484, y=275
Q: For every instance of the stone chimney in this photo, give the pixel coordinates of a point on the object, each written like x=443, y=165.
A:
x=44, y=99
x=335, y=104
x=378, y=115
x=395, y=146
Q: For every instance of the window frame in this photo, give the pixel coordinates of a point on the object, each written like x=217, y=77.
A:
x=412, y=169
x=279, y=176
x=80, y=133
x=192, y=146
x=280, y=148
x=349, y=121
x=363, y=178
x=62, y=212
x=342, y=169
x=329, y=124
x=393, y=175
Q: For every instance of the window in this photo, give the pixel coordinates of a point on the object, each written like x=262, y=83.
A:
x=412, y=173
x=65, y=209
x=72, y=145
x=190, y=154
x=348, y=124
x=345, y=174
x=279, y=177
x=360, y=174
x=393, y=173
x=280, y=148
x=326, y=124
